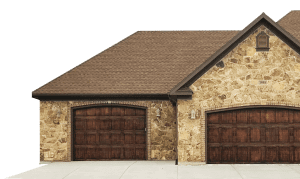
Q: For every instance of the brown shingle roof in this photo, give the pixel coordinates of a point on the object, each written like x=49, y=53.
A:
x=291, y=23
x=147, y=62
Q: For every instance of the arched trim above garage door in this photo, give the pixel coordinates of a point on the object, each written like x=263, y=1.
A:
x=257, y=130
x=127, y=106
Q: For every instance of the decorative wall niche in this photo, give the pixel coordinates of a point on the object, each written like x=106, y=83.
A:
x=262, y=42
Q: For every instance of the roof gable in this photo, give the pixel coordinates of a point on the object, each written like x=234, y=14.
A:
x=263, y=19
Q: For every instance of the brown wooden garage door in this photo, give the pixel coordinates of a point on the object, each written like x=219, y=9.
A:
x=109, y=133
x=261, y=135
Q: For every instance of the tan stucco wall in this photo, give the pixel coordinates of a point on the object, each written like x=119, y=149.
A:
x=237, y=84
x=55, y=130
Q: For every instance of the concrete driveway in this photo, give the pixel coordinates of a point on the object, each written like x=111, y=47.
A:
x=157, y=170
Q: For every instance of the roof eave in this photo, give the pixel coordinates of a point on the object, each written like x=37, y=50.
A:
x=69, y=97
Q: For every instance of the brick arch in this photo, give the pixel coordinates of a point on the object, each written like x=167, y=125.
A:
x=88, y=104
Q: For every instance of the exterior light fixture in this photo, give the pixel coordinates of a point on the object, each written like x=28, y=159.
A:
x=58, y=113
x=193, y=114
x=158, y=112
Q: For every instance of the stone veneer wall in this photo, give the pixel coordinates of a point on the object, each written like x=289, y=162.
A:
x=238, y=84
x=55, y=130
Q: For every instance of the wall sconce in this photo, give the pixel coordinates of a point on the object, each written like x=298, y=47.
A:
x=193, y=114
x=58, y=113
x=158, y=112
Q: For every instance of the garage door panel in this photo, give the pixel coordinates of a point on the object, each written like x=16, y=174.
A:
x=296, y=135
x=214, y=154
x=98, y=111
x=283, y=135
x=254, y=116
x=129, y=112
x=129, y=152
x=255, y=135
x=255, y=154
x=91, y=153
x=79, y=125
x=117, y=153
x=117, y=138
x=91, y=124
x=242, y=117
x=129, y=138
x=297, y=154
x=296, y=117
x=282, y=116
x=79, y=138
x=291, y=116
x=90, y=112
x=241, y=135
x=104, y=153
x=140, y=153
x=105, y=124
x=213, y=135
x=226, y=135
x=271, y=135
x=263, y=113
x=271, y=154
x=228, y=117
x=117, y=111
x=291, y=135
x=269, y=116
x=129, y=124
x=214, y=118
x=104, y=111
x=91, y=138
x=228, y=154
x=80, y=112
x=140, y=138
x=242, y=154
x=139, y=123
x=117, y=124
x=104, y=138
x=80, y=153
x=284, y=154
x=140, y=112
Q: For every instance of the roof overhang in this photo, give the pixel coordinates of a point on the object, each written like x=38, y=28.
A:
x=71, y=97
x=263, y=19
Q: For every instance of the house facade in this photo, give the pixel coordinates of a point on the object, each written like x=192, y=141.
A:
x=195, y=97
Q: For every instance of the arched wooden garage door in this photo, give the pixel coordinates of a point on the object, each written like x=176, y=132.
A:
x=109, y=133
x=258, y=135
